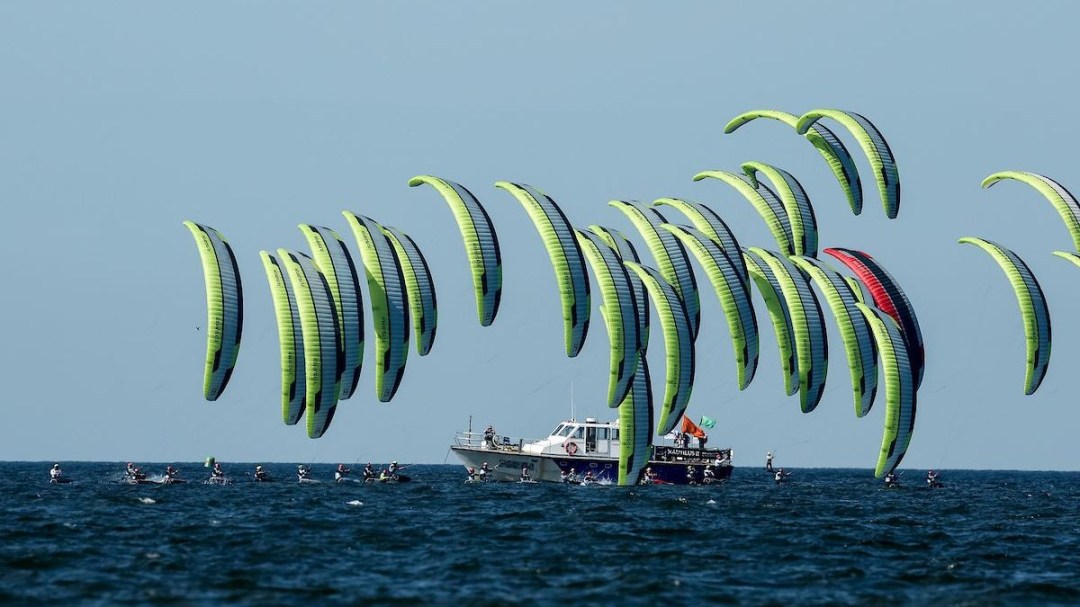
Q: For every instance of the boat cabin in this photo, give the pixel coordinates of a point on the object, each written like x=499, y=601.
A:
x=572, y=437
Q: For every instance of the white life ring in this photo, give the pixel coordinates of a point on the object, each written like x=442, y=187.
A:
x=570, y=447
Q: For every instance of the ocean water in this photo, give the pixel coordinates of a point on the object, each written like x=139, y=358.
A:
x=826, y=537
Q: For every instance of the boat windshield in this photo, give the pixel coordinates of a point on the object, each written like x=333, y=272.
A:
x=566, y=430
x=557, y=429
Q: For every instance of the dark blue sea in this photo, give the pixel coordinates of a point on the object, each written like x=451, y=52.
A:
x=825, y=537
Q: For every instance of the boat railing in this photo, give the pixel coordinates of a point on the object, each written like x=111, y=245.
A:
x=480, y=440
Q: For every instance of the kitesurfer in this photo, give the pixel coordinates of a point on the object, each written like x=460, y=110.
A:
x=341, y=473
x=932, y=479
x=55, y=473
x=368, y=473
x=484, y=469
x=709, y=475
x=891, y=480
x=393, y=470
x=768, y=461
x=170, y=474
x=589, y=478
x=134, y=473
x=691, y=475
x=384, y=475
x=302, y=473
x=781, y=476
x=217, y=475
x=564, y=476
x=525, y=476
x=648, y=477
x=260, y=474
x=474, y=476
x=571, y=476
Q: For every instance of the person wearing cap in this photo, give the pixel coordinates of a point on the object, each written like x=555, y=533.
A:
x=768, y=461
x=393, y=470
x=369, y=473
x=217, y=475
x=170, y=474
x=55, y=473
x=525, y=476
x=484, y=469
x=260, y=474
x=302, y=472
x=341, y=473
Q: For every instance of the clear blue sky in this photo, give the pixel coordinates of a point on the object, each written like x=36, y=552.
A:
x=119, y=121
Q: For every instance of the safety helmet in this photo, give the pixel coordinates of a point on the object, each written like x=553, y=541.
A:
x=56, y=465
x=130, y=465
x=258, y=467
x=393, y=462
x=341, y=466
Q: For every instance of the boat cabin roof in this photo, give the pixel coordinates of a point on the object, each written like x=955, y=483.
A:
x=569, y=426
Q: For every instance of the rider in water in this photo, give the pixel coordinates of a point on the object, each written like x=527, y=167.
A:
x=484, y=469
x=931, y=479
x=369, y=474
x=302, y=472
x=260, y=474
x=134, y=473
x=341, y=473
x=891, y=480
x=781, y=476
x=709, y=475
x=170, y=474
x=589, y=478
x=393, y=469
x=649, y=476
x=768, y=461
x=525, y=476
x=217, y=473
x=691, y=476
x=56, y=472
x=564, y=476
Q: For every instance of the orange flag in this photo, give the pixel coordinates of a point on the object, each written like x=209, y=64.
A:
x=689, y=427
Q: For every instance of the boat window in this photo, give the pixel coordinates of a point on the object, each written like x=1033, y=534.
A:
x=566, y=430
x=555, y=432
x=579, y=433
x=602, y=433
x=614, y=434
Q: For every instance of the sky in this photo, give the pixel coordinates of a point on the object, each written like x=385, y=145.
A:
x=122, y=120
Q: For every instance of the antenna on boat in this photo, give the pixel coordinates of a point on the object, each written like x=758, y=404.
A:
x=572, y=400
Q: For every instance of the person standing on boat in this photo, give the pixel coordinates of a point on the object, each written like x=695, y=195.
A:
x=701, y=441
x=341, y=473
x=685, y=440
x=525, y=476
x=768, y=461
x=489, y=437
x=368, y=473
